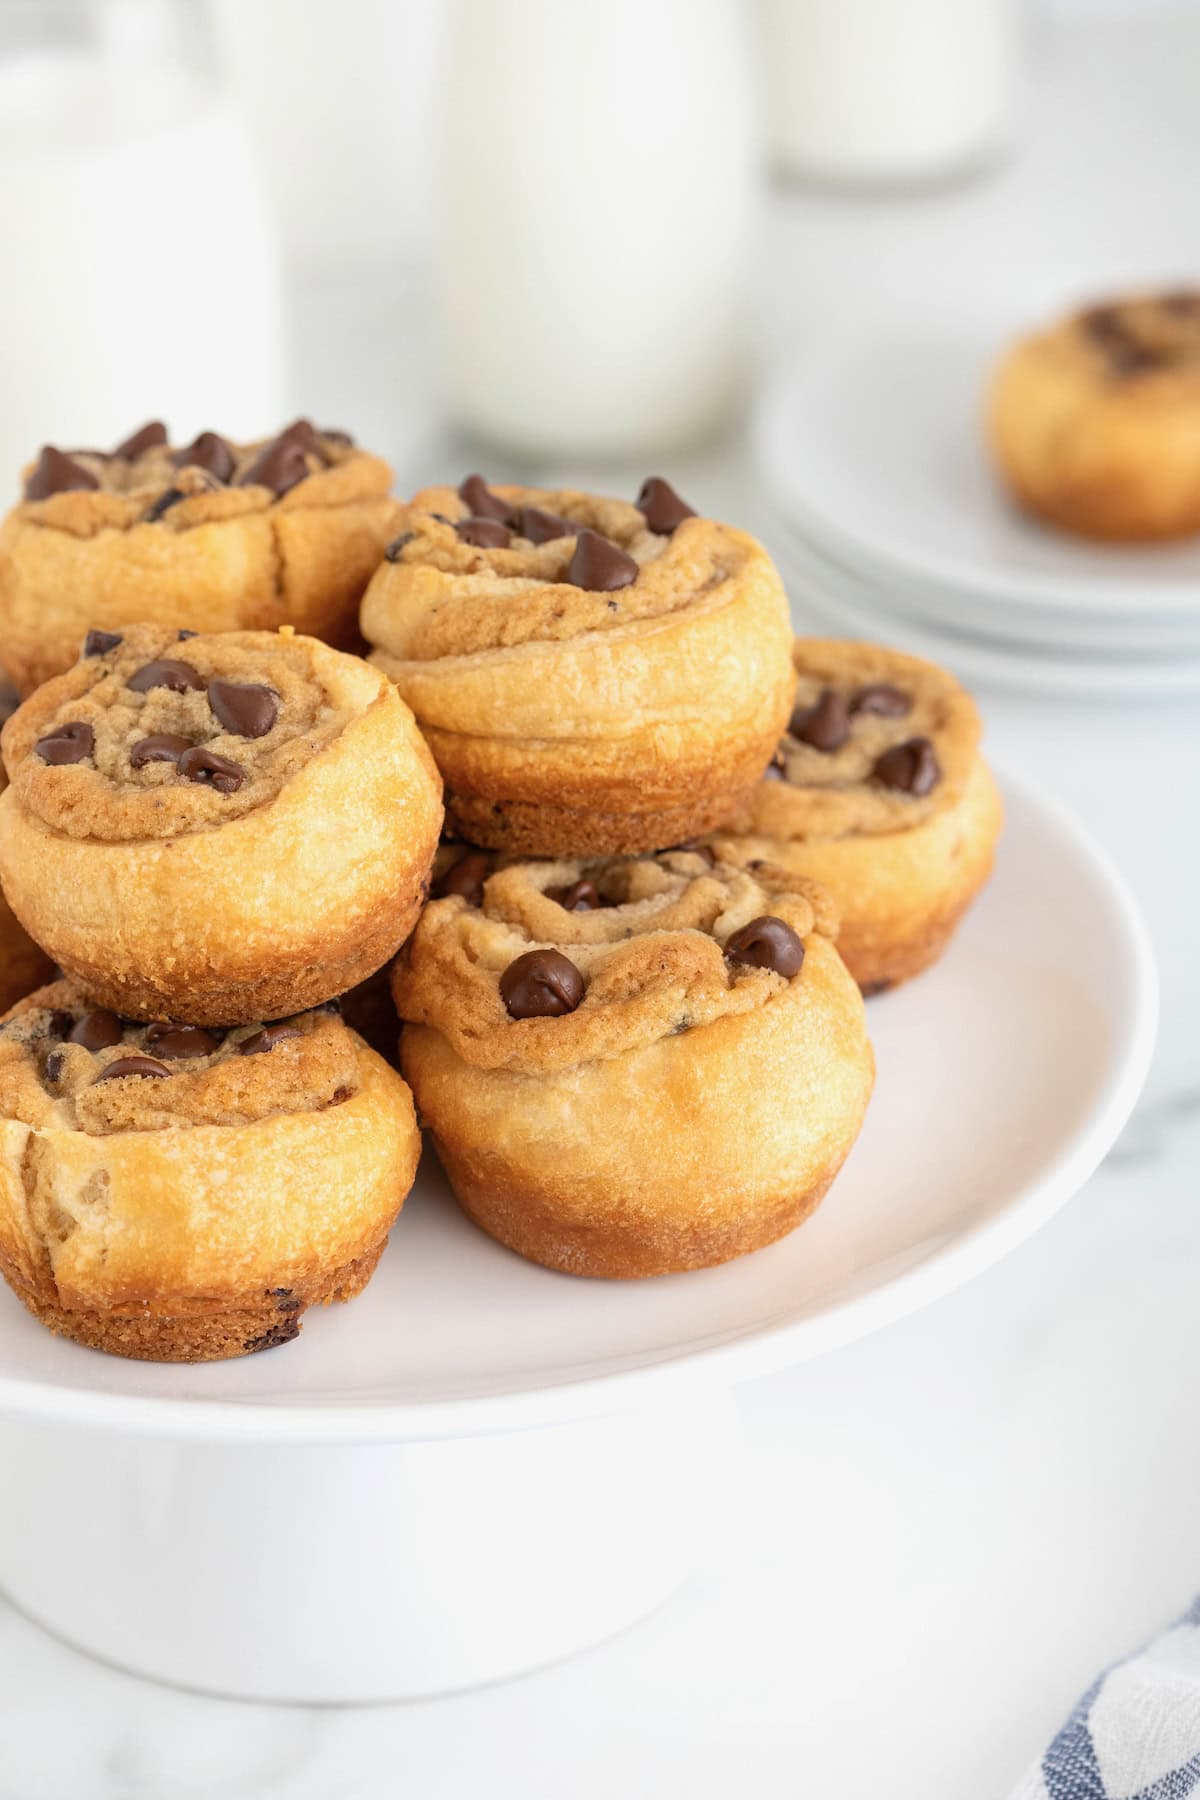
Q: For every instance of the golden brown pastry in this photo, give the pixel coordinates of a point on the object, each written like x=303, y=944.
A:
x=212, y=537
x=879, y=793
x=217, y=830
x=181, y=1195
x=591, y=676
x=631, y=1067
x=1095, y=421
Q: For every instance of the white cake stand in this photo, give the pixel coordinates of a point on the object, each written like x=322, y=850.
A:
x=480, y=1466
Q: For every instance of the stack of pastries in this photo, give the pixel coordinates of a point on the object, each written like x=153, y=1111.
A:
x=630, y=1025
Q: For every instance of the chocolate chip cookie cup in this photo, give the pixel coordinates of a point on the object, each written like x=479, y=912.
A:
x=634, y=1067
x=178, y=1194
x=878, y=792
x=1095, y=422
x=23, y=966
x=214, y=536
x=216, y=829
x=591, y=676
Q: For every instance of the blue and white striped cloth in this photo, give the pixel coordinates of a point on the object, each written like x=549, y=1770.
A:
x=1135, y=1735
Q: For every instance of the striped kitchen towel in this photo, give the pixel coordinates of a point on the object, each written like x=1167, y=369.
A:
x=1135, y=1735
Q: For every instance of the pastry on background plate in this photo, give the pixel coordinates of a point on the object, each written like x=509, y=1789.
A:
x=877, y=791
x=591, y=675
x=217, y=829
x=179, y=1194
x=634, y=1066
x=1095, y=421
x=214, y=536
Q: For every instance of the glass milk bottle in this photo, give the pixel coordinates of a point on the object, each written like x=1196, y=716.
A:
x=597, y=187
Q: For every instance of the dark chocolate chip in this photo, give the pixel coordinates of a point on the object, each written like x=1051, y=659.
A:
x=72, y=743
x=281, y=465
x=183, y=636
x=600, y=565
x=57, y=473
x=661, y=506
x=342, y=439
x=99, y=643
x=132, y=1065
x=287, y=1299
x=159, y=747
x=466, y=878
x=581, y=896
x=882, y=700
x=59, y=1023
x=149, y=437
x=912, y=768
x=542, y=527
x=54, y=1065
x=825, y=726
x=180, y=677
x=485, y=534
x=166, y=500
x=302, y=432
x=283, y=1332
x=209, y=452
x=394, y=550
x=205, y=766
x=268, y=1037
x=245, y=708
x=179, y=1041
x=767, y=943
x=483, y=503
x=98, y=1030
x=542, y=984
x=1136, y=359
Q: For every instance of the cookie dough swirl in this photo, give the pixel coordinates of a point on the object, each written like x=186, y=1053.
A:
x=878, y=792
x=589, y=1012
x=1095, y=421
x=216, y=828
x=181, y=1193
x=591, y=675
x=214, y=535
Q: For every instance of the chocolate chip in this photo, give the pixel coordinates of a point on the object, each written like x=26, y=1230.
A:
x=205, y=766
x=140, y=1066
x=581, y=896
x=56, y=473
x=1136, y=359
x=149, y=437
x=767, y=943
x=483, y=503
x=485, y=534
x=882, y=700
x=180, y=677
x=1185, y=304
x=600, y=565
x=208, y=452
x=304, y=433
x=871, y=988
x=59, y=1023
x=542, y=527
x=281, y=465
x=268, y=1037
x=542, y=984
x=342, y=439
x=159, y=747
x=245, y=708
x=912, y=768
x=179, y=1041
x=72, y=743
x=99, y=643
x=466, y=878
x=183, y=636
x=661, y=506
x=394, y=550
x=1105, y=325
x=98, y=1030
x=166, y=500
x=281, y=1333
x=825, y=726
x=54, y=1065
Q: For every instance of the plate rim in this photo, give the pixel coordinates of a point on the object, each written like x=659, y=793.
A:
x=699, y=1370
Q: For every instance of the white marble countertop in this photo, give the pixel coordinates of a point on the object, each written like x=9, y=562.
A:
x=944, y=1530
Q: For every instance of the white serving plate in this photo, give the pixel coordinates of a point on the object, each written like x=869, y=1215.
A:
x=1004, y=1075
x=873, y=444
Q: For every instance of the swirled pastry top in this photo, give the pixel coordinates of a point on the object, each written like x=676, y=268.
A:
x=146, y=481
x=155, y=733
x=66, y=1065
x=455, y=584
x=650, y=949
x=1126, y=340
x=877, y=742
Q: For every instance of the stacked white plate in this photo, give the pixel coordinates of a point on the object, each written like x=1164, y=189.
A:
x=889, y=522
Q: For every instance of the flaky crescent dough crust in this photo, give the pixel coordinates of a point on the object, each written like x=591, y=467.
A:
x=570, y=721
x=185, y=1239
x=901, y=869
x=166, y=899
x=690, y=1110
